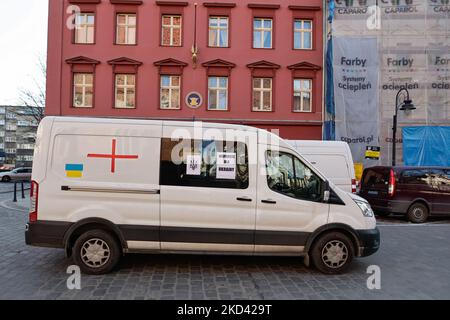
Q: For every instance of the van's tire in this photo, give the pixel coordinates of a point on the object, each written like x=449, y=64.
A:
x=96, y=252
x=418, y=213
x=332, y=253
x=6, y=179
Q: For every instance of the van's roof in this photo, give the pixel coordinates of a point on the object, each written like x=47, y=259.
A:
x=152, y=122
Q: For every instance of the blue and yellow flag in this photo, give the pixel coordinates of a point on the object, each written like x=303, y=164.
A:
x=74, y=170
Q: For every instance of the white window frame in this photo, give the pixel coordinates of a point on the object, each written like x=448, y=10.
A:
x=84, y=85
x=260, y=90
x=172, y=27
x=217, y=88
x=302, y=32
x=217, y=29
x=171, y=89
x=125, y=88
x=84, y=26
x=301, y=91
x=127, y=26
x=263, y=30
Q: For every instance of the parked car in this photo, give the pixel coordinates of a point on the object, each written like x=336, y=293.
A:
x=333, y=158
x=105, y=187
x=417, y=192
x=17, y=174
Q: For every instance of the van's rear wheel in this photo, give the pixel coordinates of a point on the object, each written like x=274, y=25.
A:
x=332, y=253
x=418, y=213
x=96, y=252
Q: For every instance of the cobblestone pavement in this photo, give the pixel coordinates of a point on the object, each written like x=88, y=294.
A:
x=414, y=262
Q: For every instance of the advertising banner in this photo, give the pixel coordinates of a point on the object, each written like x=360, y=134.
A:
x=411, y=40
x=356, y=94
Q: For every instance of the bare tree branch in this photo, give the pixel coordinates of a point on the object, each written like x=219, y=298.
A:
x=33, y=100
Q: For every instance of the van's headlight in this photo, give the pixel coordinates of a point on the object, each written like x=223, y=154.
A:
x=365, y=208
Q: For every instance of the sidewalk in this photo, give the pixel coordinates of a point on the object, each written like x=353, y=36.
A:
x=6, y=201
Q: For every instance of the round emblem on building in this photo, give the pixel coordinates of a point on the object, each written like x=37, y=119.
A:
x=194, y=100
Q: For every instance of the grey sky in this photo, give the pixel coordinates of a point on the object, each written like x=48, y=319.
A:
x=23, y=39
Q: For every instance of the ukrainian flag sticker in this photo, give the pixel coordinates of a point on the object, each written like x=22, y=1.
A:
x=74, y=170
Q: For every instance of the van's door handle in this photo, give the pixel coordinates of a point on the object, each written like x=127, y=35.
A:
x=244, y=199
x=269, y=201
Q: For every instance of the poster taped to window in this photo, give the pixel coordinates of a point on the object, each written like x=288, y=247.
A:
x=193, y=164
x=226, y=165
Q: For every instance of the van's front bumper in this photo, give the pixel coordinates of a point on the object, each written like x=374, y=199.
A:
x=369, y=241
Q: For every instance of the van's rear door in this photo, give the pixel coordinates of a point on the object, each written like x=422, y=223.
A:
x=335, y=167
x=375, y=186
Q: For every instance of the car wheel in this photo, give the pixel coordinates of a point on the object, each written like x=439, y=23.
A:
x=6, y=179
x=418, y=213
x=96, y=252
x=332, y=253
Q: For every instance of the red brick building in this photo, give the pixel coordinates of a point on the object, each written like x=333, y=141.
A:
x=257, y=62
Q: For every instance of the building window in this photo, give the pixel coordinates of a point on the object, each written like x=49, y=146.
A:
x=262, y=94
x=217, y=93
x=171, y=30
x=302, y=34
x=262, y=33
x=125, y=92
x=126, y=29
x=170, y=92
x=84, y=28
x=218, y=32
x=302, y=95
x=11, y=127
x=83, y=90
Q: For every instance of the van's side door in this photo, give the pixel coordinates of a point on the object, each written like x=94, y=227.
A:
x=441, y=196
x=290, y=205
x=208, y=192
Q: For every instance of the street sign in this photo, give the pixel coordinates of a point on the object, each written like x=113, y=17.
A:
x=373, y=153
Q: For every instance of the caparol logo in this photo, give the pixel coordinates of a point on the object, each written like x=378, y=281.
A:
x=351, y=3
x=351, y=6
x=440, y=6
x=398, y=6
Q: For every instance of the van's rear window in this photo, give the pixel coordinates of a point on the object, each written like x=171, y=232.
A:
x=376, y=179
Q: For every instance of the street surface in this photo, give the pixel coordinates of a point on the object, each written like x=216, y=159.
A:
x=414, y=262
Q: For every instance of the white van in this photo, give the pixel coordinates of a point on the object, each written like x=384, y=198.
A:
x=102, y=188
x=333, y=158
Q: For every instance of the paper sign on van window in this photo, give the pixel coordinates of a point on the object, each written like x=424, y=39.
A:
x=226, y=165
x=193, y=164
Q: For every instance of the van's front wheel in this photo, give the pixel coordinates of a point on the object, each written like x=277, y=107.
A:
x=332, y=253
x=96, y=252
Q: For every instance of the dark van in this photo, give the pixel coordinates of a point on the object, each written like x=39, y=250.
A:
x=417, y=192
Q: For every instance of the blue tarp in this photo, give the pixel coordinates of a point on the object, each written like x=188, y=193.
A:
x=426, y=146
x=330, y=129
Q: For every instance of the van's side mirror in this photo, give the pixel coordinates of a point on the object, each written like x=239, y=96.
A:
x=326, y=192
